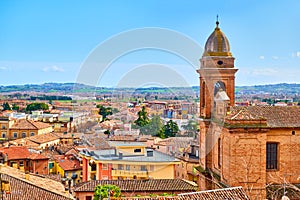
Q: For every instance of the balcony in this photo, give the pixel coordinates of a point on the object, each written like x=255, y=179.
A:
x=130, y=173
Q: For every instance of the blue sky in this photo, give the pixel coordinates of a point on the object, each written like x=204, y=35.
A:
x=49, y=41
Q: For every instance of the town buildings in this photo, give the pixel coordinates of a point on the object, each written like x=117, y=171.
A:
x=21, y=158
x=127, y=160
x=20, y=128
x=69, y=167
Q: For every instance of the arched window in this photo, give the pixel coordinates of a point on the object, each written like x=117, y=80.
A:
x=219, y=86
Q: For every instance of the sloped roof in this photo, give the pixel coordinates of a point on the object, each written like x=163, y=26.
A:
x=43, y=138
x=27, y=124
x=68, y=162
x=234, y=193
x=140, y=185
x=68, y=135
x=20, y=152
x=37, y=188
x=276, y=116
x=22, y=142
x=242, y=114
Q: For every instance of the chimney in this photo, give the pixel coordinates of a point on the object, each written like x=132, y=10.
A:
x=120, y=155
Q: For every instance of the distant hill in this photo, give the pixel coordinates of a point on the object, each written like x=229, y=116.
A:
x=75, y=88
x=281, y=88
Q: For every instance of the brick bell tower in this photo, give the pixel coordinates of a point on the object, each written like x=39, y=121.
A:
x=217, y=73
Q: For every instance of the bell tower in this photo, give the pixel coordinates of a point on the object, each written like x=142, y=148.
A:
x=216, y=71
x=217, y=82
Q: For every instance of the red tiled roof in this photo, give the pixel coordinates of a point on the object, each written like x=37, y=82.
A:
x=35, y=156
x=27, y=124
x=43, y=138
x=20, y=152
x=140, y=185
x=15, y=152
x=276, y=116
x=36, y=188
x=67, y=162
x=68, y=135
x=234, y=193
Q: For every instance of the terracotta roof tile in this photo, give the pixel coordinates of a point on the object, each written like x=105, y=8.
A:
x=234, y=193
x=276, y=116
x=20, y=152
x=69, y=135
x=35, y=156
x=22, y=142
x=37, y=188
x=68, y=162
x=140, y=185
x=15, y=152
x=243, y=114
x=27, y=124
x=43, y=138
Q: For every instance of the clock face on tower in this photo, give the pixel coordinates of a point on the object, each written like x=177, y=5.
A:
x=220, y=62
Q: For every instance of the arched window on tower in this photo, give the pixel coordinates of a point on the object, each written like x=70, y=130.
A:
x=219, y=86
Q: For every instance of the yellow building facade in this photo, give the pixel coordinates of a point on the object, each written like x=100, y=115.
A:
x=127, y=160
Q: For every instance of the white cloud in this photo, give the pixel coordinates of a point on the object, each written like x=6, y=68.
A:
x=3, y=68
x=261, y=57
x=53, y=68
x=298, y=54
x=275, y=57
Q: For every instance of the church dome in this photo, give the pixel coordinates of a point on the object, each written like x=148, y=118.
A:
x=217, y=44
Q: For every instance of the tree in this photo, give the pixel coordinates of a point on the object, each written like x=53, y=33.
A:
x=6, y=106
x=168, y=130
x=153, y=127
x=37, y=106
x=107, y=132
x=104, y=111
x=143, y=118
x=103, y=191
x=192, y=128
x=15, y=107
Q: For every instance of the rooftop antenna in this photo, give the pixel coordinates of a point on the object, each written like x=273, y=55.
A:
x=217, y=22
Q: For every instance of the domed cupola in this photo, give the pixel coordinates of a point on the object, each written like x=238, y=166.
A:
x=217, y=44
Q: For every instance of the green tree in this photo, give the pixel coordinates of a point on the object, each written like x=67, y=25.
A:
x=37, y=106
x=15, y=107
x=192, y=128
x=143, y=118
x=107, y=132
x=153, y=127
x=6, y=106
x=168, y=130
x=103, y=191
x=104, y=111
